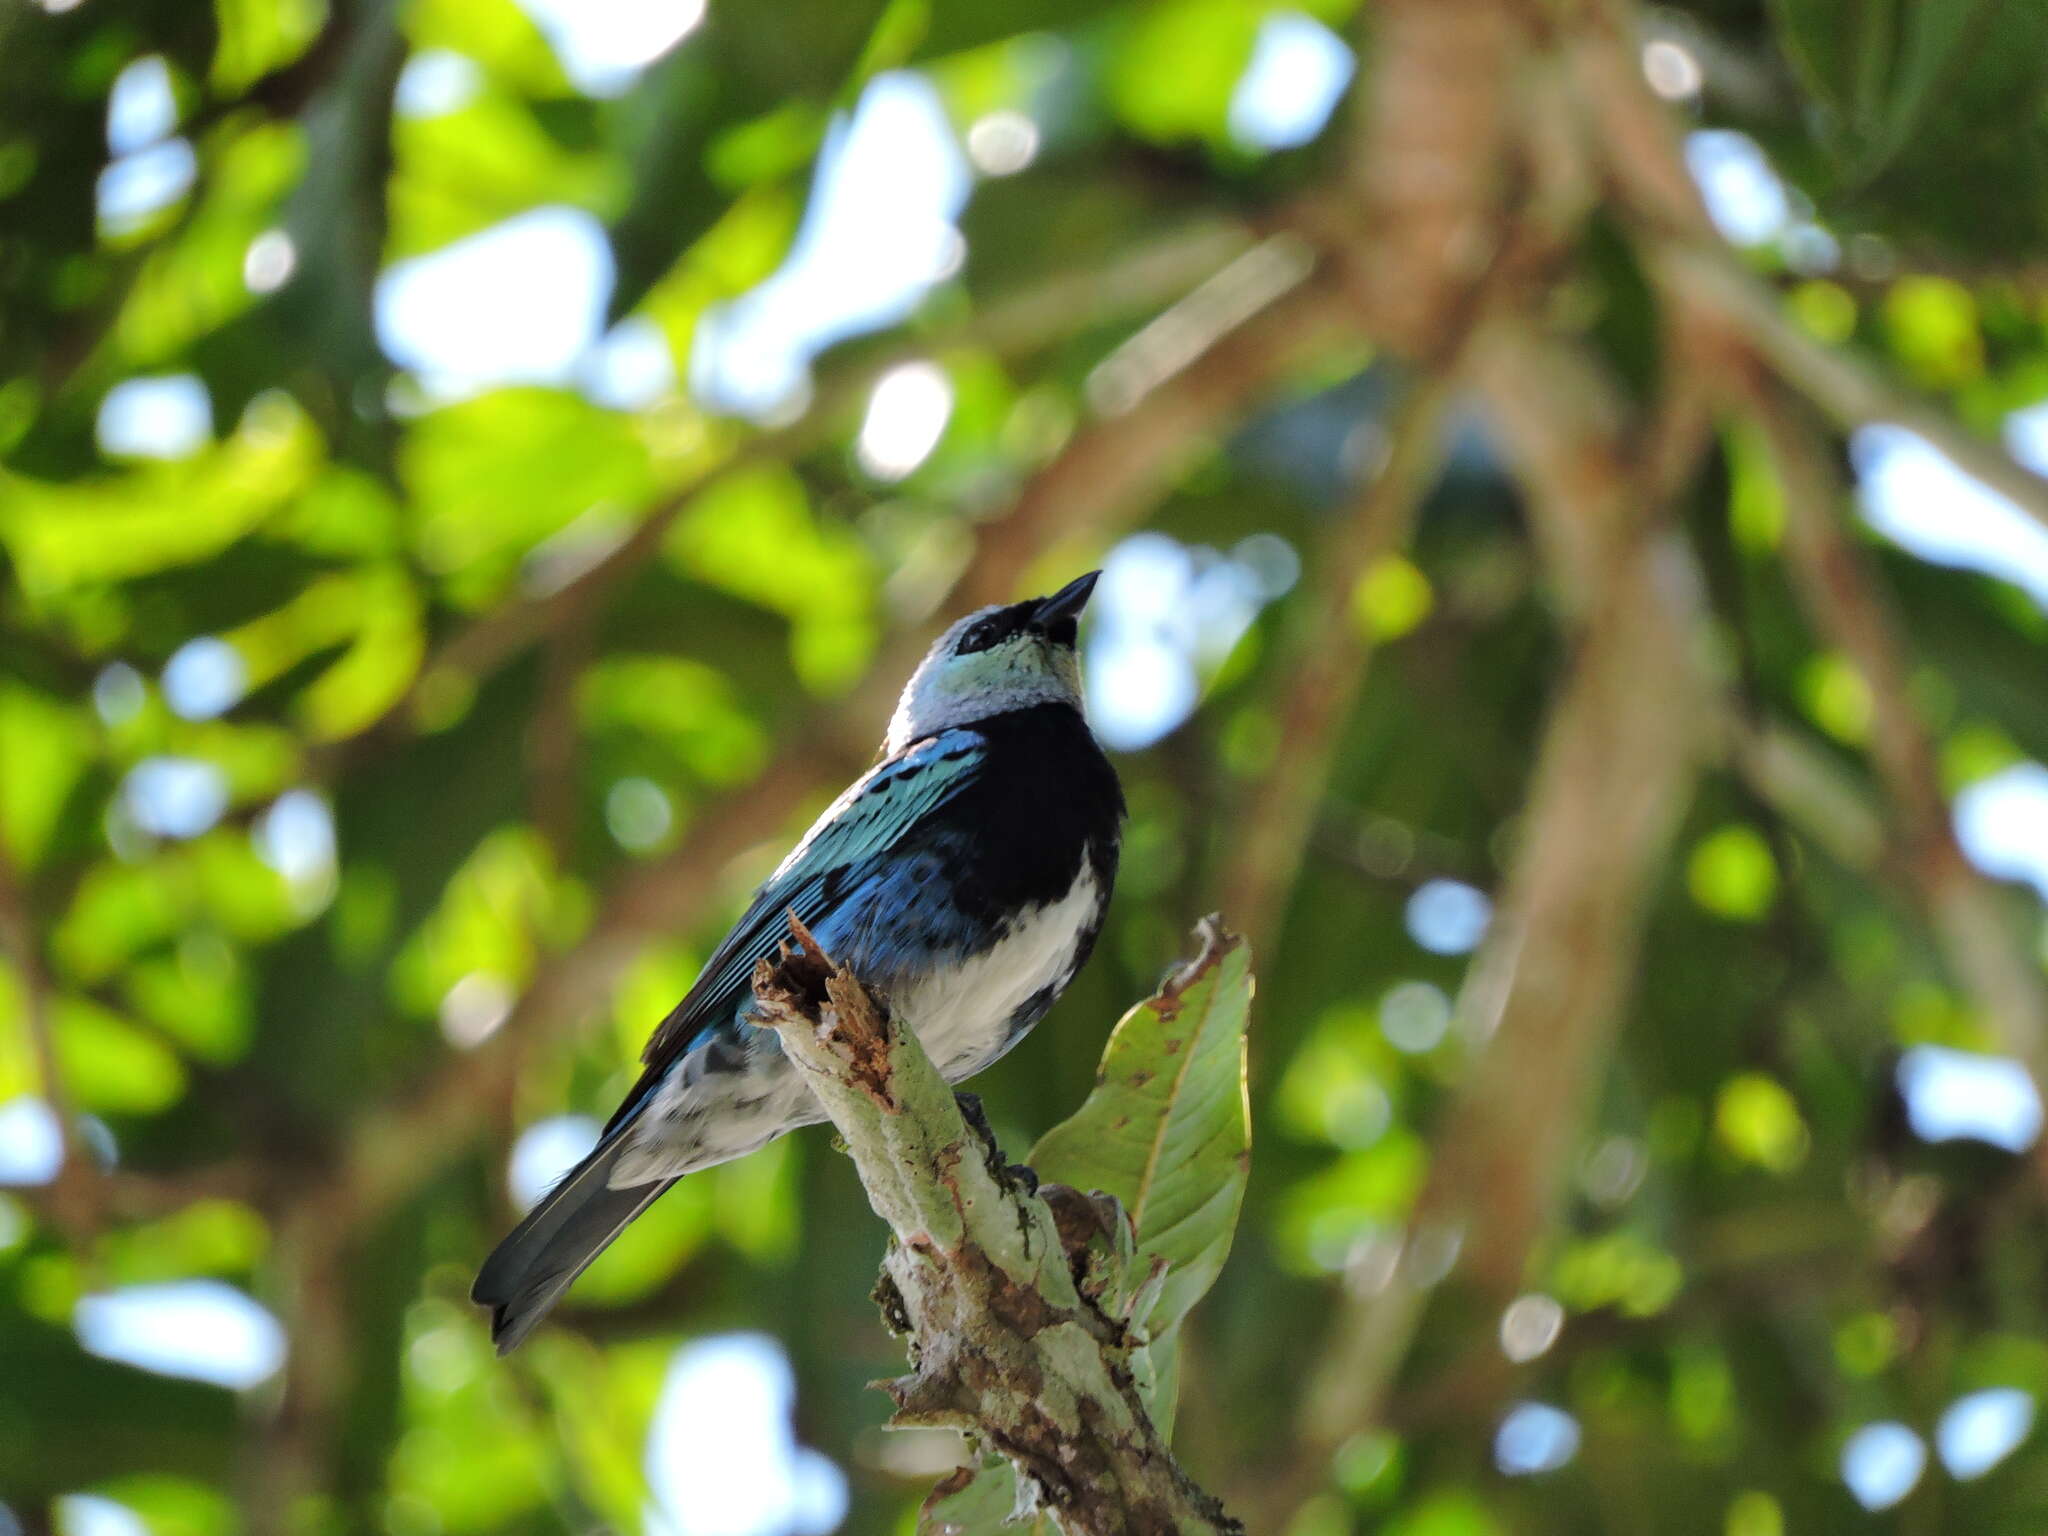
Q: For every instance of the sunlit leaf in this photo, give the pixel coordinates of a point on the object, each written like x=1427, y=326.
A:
x=1167, y=1129
x=1758, y=1121
x=1731, y=873
x=111, y=1065
x=1177, y=65
x=44, y=748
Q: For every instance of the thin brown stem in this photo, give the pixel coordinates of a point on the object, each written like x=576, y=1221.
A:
x=76, y=1198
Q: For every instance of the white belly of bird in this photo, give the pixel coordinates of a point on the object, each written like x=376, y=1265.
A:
x=962, y=1014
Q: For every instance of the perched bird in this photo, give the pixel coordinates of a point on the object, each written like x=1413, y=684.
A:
x=963, y=878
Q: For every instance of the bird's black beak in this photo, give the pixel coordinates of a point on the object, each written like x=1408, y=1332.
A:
x=1064, y=606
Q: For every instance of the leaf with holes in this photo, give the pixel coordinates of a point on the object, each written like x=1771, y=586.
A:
x=1167, y=1129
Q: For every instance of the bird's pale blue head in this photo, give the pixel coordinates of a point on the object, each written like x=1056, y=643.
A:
x=993, y=661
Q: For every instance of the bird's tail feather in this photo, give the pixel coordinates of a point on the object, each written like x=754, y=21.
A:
x=577, y=1220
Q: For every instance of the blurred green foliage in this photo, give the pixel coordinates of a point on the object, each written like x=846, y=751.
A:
x=520, y=770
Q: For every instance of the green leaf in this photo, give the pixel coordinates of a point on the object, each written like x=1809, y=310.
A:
x=259, y=36
x=43, y=750
x=109, y=1064
x=1731, y=874
x=986, y=1501
x=1758, y=1120
x=1167, y=1129
x=1156, y=1369
x=1177, y=66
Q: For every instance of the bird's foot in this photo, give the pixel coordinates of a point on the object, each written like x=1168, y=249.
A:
x=975, y=1116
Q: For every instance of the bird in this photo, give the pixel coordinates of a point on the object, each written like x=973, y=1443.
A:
x=963, y=878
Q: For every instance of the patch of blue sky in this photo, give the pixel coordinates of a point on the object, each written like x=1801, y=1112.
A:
x=1882, y=1463
x=137, y=186
x=295, y=837
x=1956, y=1095
x=1535, y=1438
x=437, y=81
x=1296, y=77
x=174, y=796
x=1162, y=618
x=202, y=1330
x=167, y=416
x=631, y=368
x=721, y=1458
x=141, y=108
x=520, y=302
x=91, y=1514
x=545, y=1151
x=1448, y=917
x=1979, y=1430
x=2002, y=823
x=1914, y=495
x=1744, y=196
x=878, y=233
x=603, y=45
x=205, y=677
x=31, y=1142
x=119, y=693
x=906, y=416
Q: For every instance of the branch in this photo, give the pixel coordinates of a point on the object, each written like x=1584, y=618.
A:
x=1005, y=1343
x=1619, y=756
x=1850, y=391
x=1808, y=788
x=1433, y=126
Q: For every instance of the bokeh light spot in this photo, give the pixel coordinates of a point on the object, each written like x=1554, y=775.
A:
x=1956, y=1095
x=169, y=417
x=545, y=1151
x=1534, y=1438
x=1882, y=1463
x=199, y=1329
x=1297, y=74
x=1980, y=1430
x=1448, y=917
x=203, y=678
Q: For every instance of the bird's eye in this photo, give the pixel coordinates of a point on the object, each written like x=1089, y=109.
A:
x=978, y=637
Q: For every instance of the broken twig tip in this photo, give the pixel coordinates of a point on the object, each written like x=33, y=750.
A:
x=1212, y=942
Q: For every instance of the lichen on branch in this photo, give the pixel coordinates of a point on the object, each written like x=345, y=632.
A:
x=1009, y=1335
